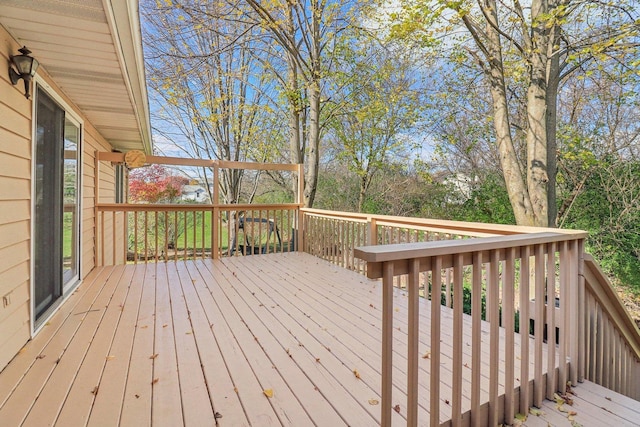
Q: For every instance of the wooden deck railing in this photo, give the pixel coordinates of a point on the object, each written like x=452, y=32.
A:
x=142, y=233
x=601, y=344
x=611, y=339
x=544, y=265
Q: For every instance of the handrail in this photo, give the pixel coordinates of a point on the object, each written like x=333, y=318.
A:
x=456, y=227
x=599, y=284
x=490, y=264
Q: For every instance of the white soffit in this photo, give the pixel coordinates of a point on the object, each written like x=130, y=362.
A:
x=93, y=51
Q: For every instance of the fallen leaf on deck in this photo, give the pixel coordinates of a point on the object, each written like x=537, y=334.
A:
x=397, y=408
x=95, y=390
x=318, y=359
x=572, y=413
x=155, y=380
x=268, y=392
x=374, y=402
x=575, y=424
x=110, y=357
x=396, y=309
x=188, y=332
x=371, y=305
x=144, y=327
x=521, y=417
x=427, y=355
x=356, y=373
x=22, y=350
x=217, y=415
x=137, y=396
x=153, y=356
x=536, y=412
x=446, y=401
x=608, y=398
x=235, y=389
x=41, y=356
x=165, y=325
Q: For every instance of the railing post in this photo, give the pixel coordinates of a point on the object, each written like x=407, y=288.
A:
x=575, y=311
x=583, y=314
x=387, y=344
x=413, y=341
x=372, y=235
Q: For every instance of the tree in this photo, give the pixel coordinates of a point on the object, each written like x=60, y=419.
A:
x=537, y=47
x=304, y=30
x=210, y=89
x=155, y=184
x=380, y=103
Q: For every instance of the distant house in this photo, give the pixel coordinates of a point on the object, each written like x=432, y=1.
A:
x=195, y=193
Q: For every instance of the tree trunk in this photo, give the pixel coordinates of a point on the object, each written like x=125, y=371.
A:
x=537, y=176
x=553, y=82
x=518, y=193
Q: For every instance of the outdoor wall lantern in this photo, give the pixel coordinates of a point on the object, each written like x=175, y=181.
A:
x=25, y=68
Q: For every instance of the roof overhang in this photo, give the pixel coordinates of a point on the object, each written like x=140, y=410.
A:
x=93, y=51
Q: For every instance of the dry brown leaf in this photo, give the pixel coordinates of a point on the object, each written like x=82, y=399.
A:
x=427, y=355
x=374, y=402
x=165, y=325
x=217, y=415
x=371, y=305
x=571, y=413
x=155, y=380
x=268, y=392
x=153, y=356
x=356, y=373
x=22, y=350
x=235, y=389
x=137, y=396
x=41, y=356
x=318, y=359
x=397, y=408
x=144, y=327
x=95, y=390
x=189, y=332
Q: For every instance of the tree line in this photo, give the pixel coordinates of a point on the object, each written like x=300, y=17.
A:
x=504, y=111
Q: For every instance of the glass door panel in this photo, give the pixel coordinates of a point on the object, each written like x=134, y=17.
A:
x=70, y=203
x=56, y=199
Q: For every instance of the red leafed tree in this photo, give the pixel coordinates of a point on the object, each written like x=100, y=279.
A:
x=155, y=184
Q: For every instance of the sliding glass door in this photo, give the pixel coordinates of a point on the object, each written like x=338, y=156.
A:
x=56, y=225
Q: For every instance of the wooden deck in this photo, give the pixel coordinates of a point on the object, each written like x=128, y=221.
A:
x=199, y=342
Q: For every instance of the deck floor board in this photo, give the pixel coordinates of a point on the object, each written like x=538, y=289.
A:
x=198, y=343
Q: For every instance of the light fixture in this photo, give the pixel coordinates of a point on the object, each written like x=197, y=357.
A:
x=25, y=68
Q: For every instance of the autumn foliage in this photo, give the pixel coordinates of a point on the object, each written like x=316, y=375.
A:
x=155, y=184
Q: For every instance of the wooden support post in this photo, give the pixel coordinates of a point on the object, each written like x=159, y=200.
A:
x=414, y=339
x=96, y=199
x=387, y=345
x=215, y=213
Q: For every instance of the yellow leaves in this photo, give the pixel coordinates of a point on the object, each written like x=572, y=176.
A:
x=268, y=392
x=374, y=402
x=356, y=373
x=110, y=357
x=536, y=412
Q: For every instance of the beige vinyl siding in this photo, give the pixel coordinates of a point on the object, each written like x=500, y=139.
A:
x=15, y=211
x=15, y=201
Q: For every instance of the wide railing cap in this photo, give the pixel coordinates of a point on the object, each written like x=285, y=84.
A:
x=394, y=252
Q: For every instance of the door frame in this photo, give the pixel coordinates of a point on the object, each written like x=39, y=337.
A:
x=74, y=117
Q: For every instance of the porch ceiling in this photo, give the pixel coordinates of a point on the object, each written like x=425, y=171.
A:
x=93, y=51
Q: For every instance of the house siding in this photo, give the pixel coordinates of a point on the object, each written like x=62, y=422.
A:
x=15, y=203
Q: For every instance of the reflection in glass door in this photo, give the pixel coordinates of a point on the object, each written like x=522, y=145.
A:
x=56, y=225
x=70, y=203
